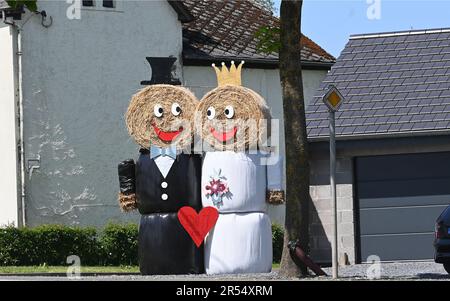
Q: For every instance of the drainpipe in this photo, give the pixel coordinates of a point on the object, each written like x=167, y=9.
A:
x=18, y=39
x=21, y=134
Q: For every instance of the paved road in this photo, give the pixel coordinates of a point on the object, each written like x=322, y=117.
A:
x=399, y=271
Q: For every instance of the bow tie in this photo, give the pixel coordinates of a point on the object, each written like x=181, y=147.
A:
x=158, y=151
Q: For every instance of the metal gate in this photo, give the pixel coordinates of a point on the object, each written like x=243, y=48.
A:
x=399, y=199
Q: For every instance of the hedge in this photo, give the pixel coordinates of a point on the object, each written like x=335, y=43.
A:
x=277, y=242
x=119, y=244
x=115, y=245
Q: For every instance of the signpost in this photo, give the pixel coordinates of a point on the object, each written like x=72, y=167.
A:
x=333, y=99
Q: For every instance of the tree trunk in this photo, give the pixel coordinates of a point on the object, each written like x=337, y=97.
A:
x=297, y=162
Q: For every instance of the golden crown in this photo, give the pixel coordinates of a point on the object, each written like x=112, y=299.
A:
x=230, y=76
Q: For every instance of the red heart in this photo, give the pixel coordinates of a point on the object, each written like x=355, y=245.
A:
x=198, y=225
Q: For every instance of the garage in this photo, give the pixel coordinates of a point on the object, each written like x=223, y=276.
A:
x=398, y=199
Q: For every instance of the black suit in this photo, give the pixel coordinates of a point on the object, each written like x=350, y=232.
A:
x=182, y=181
x=164, y=245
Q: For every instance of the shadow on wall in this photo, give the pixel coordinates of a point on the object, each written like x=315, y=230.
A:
x=320, y=246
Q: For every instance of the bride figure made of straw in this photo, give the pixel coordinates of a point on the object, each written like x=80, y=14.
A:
x=235, y=122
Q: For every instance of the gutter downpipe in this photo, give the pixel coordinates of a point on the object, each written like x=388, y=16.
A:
x=21, y=133
x=18, y=32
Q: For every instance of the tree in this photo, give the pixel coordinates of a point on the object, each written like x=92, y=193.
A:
x=30, y=4
x=285, y=40
x=297, y=160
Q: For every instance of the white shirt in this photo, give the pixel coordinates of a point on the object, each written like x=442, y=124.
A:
x=164, y=164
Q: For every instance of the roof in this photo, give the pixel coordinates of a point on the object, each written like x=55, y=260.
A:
x=216, y=30
x=226, y=30
x=393, y=83
x=184, y=15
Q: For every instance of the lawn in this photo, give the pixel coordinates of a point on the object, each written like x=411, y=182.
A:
x=63, y=269
x=84, y=269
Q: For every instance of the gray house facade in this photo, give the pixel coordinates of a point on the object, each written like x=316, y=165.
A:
x=64, y=94
x=393, y=147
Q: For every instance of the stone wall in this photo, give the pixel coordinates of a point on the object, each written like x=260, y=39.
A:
x=321, y=210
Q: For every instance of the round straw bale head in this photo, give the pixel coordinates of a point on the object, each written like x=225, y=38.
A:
x=161, y=115
x=233, y=118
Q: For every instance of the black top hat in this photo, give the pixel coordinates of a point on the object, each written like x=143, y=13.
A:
x=161, y=71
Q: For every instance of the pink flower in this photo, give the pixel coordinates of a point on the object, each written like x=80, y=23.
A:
x=216, y=187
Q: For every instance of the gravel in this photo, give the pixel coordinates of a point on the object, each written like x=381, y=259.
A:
x=421, y=270
x=414, y=270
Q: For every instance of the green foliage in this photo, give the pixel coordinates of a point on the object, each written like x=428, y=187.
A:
x=63, y=269
x=51, y=244
x=277, y=242
x=115, y=245
x=119, y=244
x=48, y=244
x=12, y=244
x=268, y=39
x=30, y=4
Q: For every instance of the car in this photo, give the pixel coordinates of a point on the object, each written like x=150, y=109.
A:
x=442, y=239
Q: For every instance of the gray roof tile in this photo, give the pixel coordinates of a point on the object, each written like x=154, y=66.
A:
x=228, y=29
x=393, y=84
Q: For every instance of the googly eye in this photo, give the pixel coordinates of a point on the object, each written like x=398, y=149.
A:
x=176, y=109
x=211, y=113
x=158, y=110
x=229, y=112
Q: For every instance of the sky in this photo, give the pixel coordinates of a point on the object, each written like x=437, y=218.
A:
x=329, y=23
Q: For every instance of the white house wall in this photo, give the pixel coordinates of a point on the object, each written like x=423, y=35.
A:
x=311, y=82
x=79, y=76
x=267, y=83
x=8, y=152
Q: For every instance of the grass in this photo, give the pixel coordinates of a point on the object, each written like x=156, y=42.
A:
x=84, y=269
x=63, y=269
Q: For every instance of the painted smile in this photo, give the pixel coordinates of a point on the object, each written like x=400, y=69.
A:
x=166, y=136
x=224, y=136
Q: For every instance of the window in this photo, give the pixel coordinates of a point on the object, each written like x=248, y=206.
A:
x=108, y=3
x=101, y=5
x=88, y=3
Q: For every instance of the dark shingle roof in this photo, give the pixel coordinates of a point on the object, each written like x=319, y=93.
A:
x=227, y=29
x=394, y=83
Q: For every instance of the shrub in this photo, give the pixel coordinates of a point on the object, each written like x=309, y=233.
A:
x=55, y=242
x=47, y=244
x=51, y=245
x=277, y=242
x=14, y=246
x=119, y=244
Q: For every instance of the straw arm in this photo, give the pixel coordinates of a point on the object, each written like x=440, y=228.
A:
x=128, y=202
x=275, y=197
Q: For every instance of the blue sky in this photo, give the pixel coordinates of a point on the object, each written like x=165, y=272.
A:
x=330, y=22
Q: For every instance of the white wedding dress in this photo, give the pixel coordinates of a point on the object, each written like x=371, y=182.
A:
x=236, y=184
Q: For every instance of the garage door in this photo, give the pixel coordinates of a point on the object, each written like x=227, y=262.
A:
x=400, y=197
